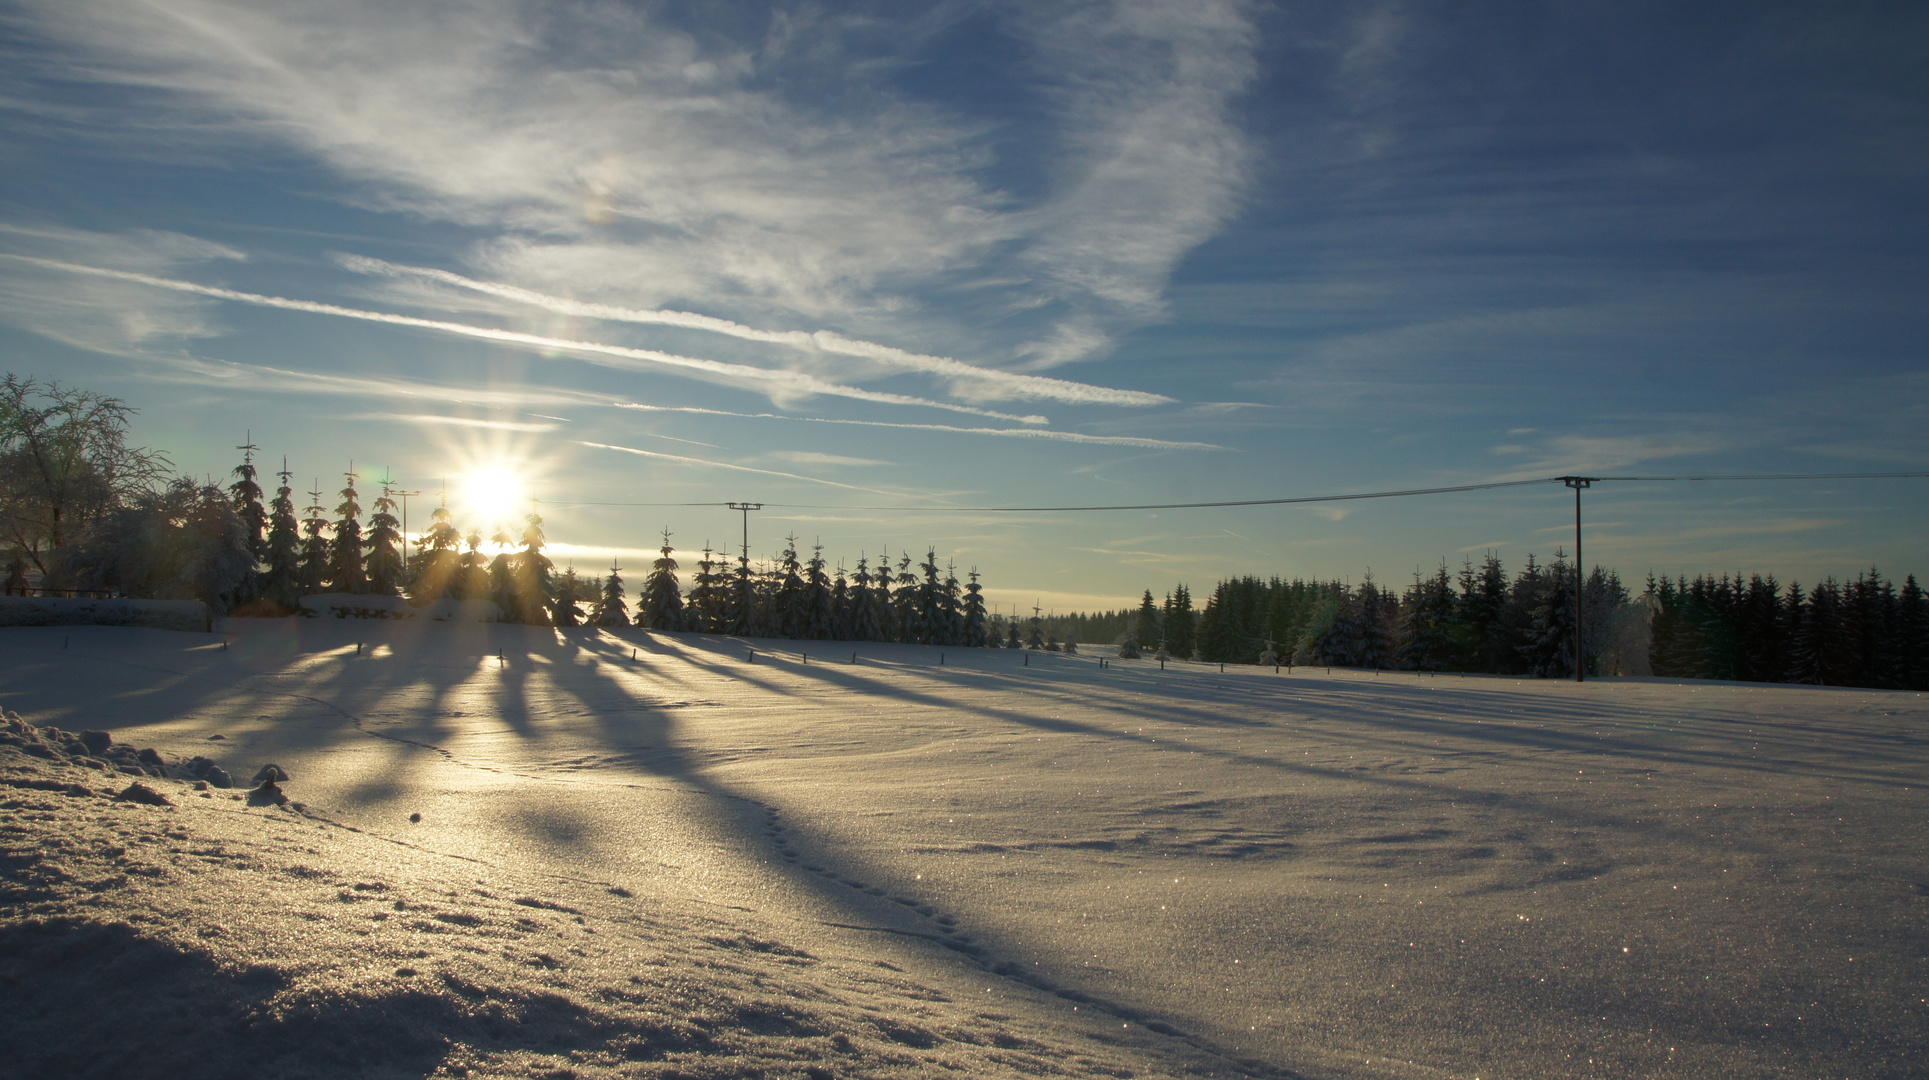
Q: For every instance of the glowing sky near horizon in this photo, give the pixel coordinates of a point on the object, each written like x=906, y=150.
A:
x=968, y=253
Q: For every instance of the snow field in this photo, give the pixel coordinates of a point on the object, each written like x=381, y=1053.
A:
x=1344, y=875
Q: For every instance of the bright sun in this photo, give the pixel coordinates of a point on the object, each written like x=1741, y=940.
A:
x=493, y=494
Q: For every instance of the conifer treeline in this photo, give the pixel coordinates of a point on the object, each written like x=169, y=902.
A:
x=1863, y=633
x=282, y=558
x=1859, y=633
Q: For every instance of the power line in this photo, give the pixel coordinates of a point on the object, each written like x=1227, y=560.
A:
x=1284, y=501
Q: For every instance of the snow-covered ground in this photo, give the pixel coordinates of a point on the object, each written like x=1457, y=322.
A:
x=1027, y=867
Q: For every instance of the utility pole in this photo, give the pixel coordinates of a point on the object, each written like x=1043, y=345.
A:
x=1578, y=483
x=746, y=508
x=389, y=490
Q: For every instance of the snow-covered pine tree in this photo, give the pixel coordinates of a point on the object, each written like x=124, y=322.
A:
x=701, y=612
x=930, y=619
x=661, y=605
x=312, y=575
x=903, y=587
x=743, y=620
x=440, y=574
x=565, y=607
x=475, y=583
x=864, y=615
x=884, y=598
x=951, y=607
x=535, y=575
x=1011, y=634
x=841, y=606
x=345, y=572
x=281, y=581
x=611, y=609
x=818, y=620
x=502, y=576
x=976, y=633
x=790, y=596
x=384, y=563
x=246, y=495
x=1035, y=626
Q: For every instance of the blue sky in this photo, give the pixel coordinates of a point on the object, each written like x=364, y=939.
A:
x=957, y=254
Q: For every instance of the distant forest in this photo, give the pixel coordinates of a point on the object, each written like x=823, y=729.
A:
x=82, y=511
x=1864, y=632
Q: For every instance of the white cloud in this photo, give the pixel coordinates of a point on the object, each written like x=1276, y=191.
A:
x=781, y=385
x=610, y=155
x=966, y=380
x=106, y=315
x=812, y=457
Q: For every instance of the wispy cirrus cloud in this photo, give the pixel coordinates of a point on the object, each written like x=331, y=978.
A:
x=730, y=467
x=647, y=158
x=967, y=380
x=780, y=384
x=1047, y=434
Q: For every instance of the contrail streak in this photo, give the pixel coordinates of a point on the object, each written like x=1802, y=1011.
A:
x=1009, y=433
x=1005, y=384
x=736, y=468
x=794, y=382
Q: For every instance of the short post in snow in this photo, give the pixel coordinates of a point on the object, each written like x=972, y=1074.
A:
x=940, y=659
x=358, y=647
x=632, y=656
x=853, y=657
x=1027, y=659
x=753, y=656
x=803, y=657
x=1162, y=665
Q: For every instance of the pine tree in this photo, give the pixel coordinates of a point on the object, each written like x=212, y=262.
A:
x=1912, y=635
x=1376, y=640
x=976, y=634
x=1180, y=623
x=345, y=554
x=16, y=584
x=281, y=583
x=866, y=624
x=612, y=610
x=476, y=583
x=661, y=605
x=705, y=610
x=1428, y=622
x=565, y=604
x=904, y=602
x=818, y=618
x=743, y=601
x=313, y=575
x=502, y=576
x=1550, y=652
x=535, y=575
x=841, y=606
x=384, y=538
x=246, y=494
x=1034, y=639
x=1340, y=646
x=1145, y=629
x=1011, y=641
x=930, y=619
x=790, y=596
x=951, y=615
x=440, y=575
